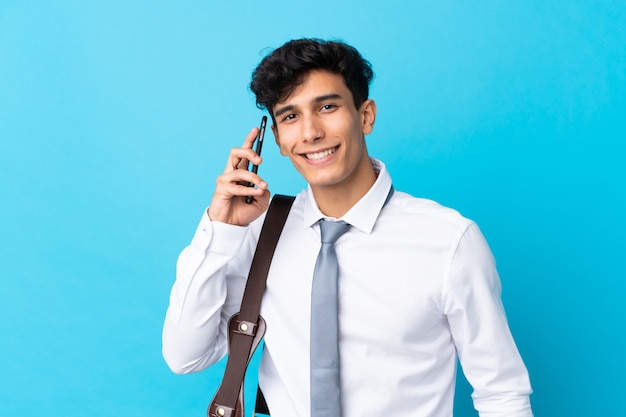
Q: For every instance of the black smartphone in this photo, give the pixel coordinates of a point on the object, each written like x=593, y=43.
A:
x=259, y=146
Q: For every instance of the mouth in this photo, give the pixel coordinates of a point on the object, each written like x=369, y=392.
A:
x=316, y=156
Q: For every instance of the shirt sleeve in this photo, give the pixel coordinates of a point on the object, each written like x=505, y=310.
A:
x=487, y=351
x=211, y=275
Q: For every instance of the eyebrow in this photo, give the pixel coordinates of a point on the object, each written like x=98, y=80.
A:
x=290, y=107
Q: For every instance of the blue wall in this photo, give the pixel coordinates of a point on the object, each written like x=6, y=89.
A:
x=116, y=117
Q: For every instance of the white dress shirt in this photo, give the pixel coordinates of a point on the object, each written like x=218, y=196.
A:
x=417, y=287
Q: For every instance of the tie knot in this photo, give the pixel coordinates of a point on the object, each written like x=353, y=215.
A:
x=331, y=231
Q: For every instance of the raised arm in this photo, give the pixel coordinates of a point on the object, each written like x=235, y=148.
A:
x=211, y=272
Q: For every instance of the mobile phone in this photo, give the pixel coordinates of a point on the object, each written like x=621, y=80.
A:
x=259, y=146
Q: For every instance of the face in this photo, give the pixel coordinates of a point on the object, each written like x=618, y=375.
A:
x=319, y=128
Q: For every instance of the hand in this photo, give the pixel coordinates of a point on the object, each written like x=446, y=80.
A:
x=231, y=188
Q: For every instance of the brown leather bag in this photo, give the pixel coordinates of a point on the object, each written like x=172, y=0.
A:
x=246, y=328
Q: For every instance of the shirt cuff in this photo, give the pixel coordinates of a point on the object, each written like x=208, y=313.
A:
x=218, y=237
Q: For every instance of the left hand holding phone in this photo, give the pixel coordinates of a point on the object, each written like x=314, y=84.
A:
x=259, y=146
x=232, y=187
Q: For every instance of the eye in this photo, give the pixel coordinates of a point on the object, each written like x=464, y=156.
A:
x=289, y=117
x=328, y=107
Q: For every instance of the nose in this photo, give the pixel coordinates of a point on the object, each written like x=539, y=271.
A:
x=311, y=129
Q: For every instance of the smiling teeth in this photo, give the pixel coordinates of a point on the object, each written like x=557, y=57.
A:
x=320, y=155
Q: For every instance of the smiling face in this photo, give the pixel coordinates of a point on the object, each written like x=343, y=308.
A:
x=319, y=128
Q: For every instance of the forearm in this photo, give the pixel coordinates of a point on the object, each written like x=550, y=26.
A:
x=513, y=404
x=486, y=348
x=210, y=278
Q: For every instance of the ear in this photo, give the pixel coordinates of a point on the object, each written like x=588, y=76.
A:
x=275, y=132
x=368, y=116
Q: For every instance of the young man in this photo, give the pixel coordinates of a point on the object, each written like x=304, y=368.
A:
x=417, y=283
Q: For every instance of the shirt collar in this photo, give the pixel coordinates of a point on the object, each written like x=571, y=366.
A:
x=364, y=213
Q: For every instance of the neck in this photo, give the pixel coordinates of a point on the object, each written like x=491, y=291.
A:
x=337, y=199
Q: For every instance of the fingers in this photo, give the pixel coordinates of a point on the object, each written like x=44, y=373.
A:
x=251, y=138
x=237, y=180
x=237, y=183
x=262, y=200
x=240, y=157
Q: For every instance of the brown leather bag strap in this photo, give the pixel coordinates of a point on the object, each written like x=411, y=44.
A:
x=246, y=329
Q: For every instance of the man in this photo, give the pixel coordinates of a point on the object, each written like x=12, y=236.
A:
x=417, y=283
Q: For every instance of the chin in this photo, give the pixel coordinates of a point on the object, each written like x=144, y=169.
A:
x=323, y=182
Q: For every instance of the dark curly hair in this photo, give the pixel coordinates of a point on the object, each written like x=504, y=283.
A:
x=280, y=72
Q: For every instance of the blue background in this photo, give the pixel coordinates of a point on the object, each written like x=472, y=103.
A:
x=116, y=117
